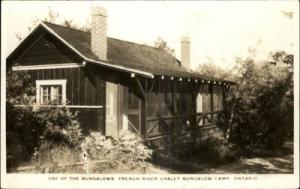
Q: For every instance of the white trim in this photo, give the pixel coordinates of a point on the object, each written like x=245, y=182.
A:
x=48, y=66
x=83, y=106
x=68, y=106
x=65, y=42
x=95, y=61
x=121, y=68
x=62, y=82
x=22, y=40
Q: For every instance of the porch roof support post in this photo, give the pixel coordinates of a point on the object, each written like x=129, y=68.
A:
x=226, y=113
x=194, y=87
x=144, y=109
x=144, y=92
x=212, y=101
x=173, y=105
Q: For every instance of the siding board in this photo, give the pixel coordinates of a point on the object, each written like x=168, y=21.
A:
x=69, y=84
x=48, y=50
x=81, y=87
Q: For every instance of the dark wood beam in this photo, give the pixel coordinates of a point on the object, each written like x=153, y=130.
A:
x=143, y=91
x=211, y=99
x=152, y=86
x=144, y=107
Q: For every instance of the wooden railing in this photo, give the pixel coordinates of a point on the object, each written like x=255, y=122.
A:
x=133, y=128
x=165, y=125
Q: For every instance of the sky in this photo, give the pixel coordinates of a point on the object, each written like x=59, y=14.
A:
x=219, y=31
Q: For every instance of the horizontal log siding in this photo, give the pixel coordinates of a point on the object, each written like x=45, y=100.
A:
x=81, y=90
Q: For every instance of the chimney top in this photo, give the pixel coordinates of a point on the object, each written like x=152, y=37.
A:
x=99, y=32
x=99, y=11
x=185, y=52
x=185, y=39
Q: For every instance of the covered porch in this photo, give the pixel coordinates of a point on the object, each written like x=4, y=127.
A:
x=155, y=107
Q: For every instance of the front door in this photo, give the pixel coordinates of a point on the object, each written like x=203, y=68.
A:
x=111, y=126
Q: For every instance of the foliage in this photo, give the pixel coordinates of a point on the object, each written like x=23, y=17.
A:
x=54, y=17
x=19, y=88
x=213, y=147
x=61, y=126
x=209, y=146
x=23, y=131
x=262, y=105
x=122, y=152
x=182, y=147
x=160, y=43
x=211, y=69
x=27, y=127
x=55, y=158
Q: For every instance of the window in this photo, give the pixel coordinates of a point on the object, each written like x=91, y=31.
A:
x=51, y=91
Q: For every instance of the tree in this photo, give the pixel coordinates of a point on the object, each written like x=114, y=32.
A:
x=160, y=43
x=262, y=104
x=53, y=17
x=19, y=87
x=211, y=69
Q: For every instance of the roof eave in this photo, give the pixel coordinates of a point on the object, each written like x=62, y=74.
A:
x=139, y=72
x=121, y=68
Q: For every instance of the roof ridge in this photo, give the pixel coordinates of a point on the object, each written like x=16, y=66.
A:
x=59, y=25
x=75, y=29
x=137, y=44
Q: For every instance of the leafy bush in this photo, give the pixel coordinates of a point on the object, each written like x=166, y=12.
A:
x=27, y=129
x=182, y=147
x=262, y=106
x=56, y=159
x=23, y=131
x=19, y=87
x=210, y=146
x=124, y=152
x=213, y=147
x=61, y=126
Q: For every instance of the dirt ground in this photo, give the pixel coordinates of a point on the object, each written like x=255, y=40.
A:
x=269, y=165
x=256, y=165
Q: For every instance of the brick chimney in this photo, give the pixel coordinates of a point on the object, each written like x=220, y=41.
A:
x=185, y=52
x=99, y=32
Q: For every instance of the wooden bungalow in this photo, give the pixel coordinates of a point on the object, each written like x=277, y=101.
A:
x=117, y=85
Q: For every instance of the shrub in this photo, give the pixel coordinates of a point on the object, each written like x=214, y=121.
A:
x=182, y=147
x=262, y=105
x=23, y=132
x=210, y=146
x=19, y=87
x=56, y=159
x=213, y=147
x=61, y=126
x=124, y=152
x=27, y=129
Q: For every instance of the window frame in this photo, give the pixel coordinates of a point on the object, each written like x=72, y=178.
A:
x=61, y=82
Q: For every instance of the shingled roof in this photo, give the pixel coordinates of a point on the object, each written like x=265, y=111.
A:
x=126, y=55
